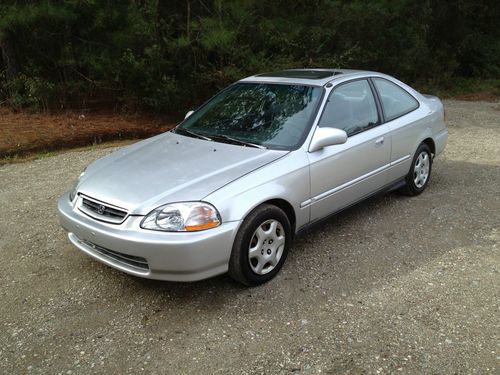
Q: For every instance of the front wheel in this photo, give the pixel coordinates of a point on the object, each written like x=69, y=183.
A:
x=420, y=171
x=261, y=246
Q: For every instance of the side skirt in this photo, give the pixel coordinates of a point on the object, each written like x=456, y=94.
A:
x=384, y=190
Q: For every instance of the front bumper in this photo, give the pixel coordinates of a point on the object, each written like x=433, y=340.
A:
x=150, y=254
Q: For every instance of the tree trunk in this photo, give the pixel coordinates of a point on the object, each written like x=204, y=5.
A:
x=188, y=20
x=9, y=59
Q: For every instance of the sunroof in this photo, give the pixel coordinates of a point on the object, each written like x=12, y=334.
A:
x=305, y=74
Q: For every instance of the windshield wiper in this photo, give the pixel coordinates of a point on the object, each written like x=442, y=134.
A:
x=217, y=136
x=236, y=141
x=192, y=133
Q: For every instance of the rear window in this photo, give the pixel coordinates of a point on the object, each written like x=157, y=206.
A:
x=396, y=102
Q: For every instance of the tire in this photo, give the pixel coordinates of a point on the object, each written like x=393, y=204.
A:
x=261, y=246
x=419, y=175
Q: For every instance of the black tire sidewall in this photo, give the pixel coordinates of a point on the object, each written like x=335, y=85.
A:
x=240, y=264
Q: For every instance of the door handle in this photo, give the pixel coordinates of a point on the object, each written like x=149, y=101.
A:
x=379, y=142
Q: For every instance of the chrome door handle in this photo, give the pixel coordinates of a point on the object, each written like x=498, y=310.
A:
x=379, y=142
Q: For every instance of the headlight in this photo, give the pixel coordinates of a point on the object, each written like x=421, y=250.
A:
x=182, y=217
x=73, y=190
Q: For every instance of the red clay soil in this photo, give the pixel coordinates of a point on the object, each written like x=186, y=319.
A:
x=24, y=133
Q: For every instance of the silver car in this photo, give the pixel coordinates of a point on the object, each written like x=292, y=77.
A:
x=230, y=187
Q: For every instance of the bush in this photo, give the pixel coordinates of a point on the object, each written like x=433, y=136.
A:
x=163, y=56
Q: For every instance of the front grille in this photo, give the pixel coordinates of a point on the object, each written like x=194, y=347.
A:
x=127, y=260
x=102, y=211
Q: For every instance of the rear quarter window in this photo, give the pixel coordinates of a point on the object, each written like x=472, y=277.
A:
x=396, y=101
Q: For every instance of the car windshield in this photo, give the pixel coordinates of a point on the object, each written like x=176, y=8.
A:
x=261, y=114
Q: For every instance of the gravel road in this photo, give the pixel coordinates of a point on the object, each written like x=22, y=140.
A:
x=393, y=285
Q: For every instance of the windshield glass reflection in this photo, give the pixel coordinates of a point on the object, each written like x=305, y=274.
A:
x=271, y=115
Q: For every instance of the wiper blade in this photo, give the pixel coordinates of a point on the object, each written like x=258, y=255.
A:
x=236, y=141
x=217, y=136
x=192, y=134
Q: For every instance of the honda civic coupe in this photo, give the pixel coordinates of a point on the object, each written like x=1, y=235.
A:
x=229, y=188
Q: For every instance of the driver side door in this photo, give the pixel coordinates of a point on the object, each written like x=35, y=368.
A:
x=344, y=174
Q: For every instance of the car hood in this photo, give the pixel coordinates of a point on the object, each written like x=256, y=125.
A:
x=169, y=168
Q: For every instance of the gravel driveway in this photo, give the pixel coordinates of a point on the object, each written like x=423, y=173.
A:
x=393, y=285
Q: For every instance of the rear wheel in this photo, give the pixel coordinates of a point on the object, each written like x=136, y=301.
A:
x=420, y=171
x=261, y=246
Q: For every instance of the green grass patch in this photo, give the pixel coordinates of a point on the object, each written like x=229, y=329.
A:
x=44, y=155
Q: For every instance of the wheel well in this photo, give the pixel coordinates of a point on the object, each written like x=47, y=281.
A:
x=430, y=142
x=287, y=208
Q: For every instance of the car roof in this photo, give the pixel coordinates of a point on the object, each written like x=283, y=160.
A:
x=314, y=77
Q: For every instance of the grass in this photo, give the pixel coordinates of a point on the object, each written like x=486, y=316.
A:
x=44, y=155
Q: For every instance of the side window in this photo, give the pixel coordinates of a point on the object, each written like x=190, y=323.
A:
x=350, y=107
x=395, y=100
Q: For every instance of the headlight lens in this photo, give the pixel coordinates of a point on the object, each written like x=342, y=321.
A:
x=182, y=217
x=73, y=190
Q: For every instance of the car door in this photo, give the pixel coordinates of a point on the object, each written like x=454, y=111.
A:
x=343, y=174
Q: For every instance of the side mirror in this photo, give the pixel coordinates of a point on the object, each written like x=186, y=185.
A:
x=188, y=114
x=327, y=137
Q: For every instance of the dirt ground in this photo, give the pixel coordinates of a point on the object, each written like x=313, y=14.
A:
x=23, y=133
x=393, y=285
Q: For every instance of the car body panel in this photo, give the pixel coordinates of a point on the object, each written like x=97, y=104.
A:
x=440, y=139
x=364, y=158
x=405, y=131
x=235, y=179
x=172, y=168
x=236, y=200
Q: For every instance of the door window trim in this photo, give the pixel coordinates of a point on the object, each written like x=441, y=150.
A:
x=380, y=116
